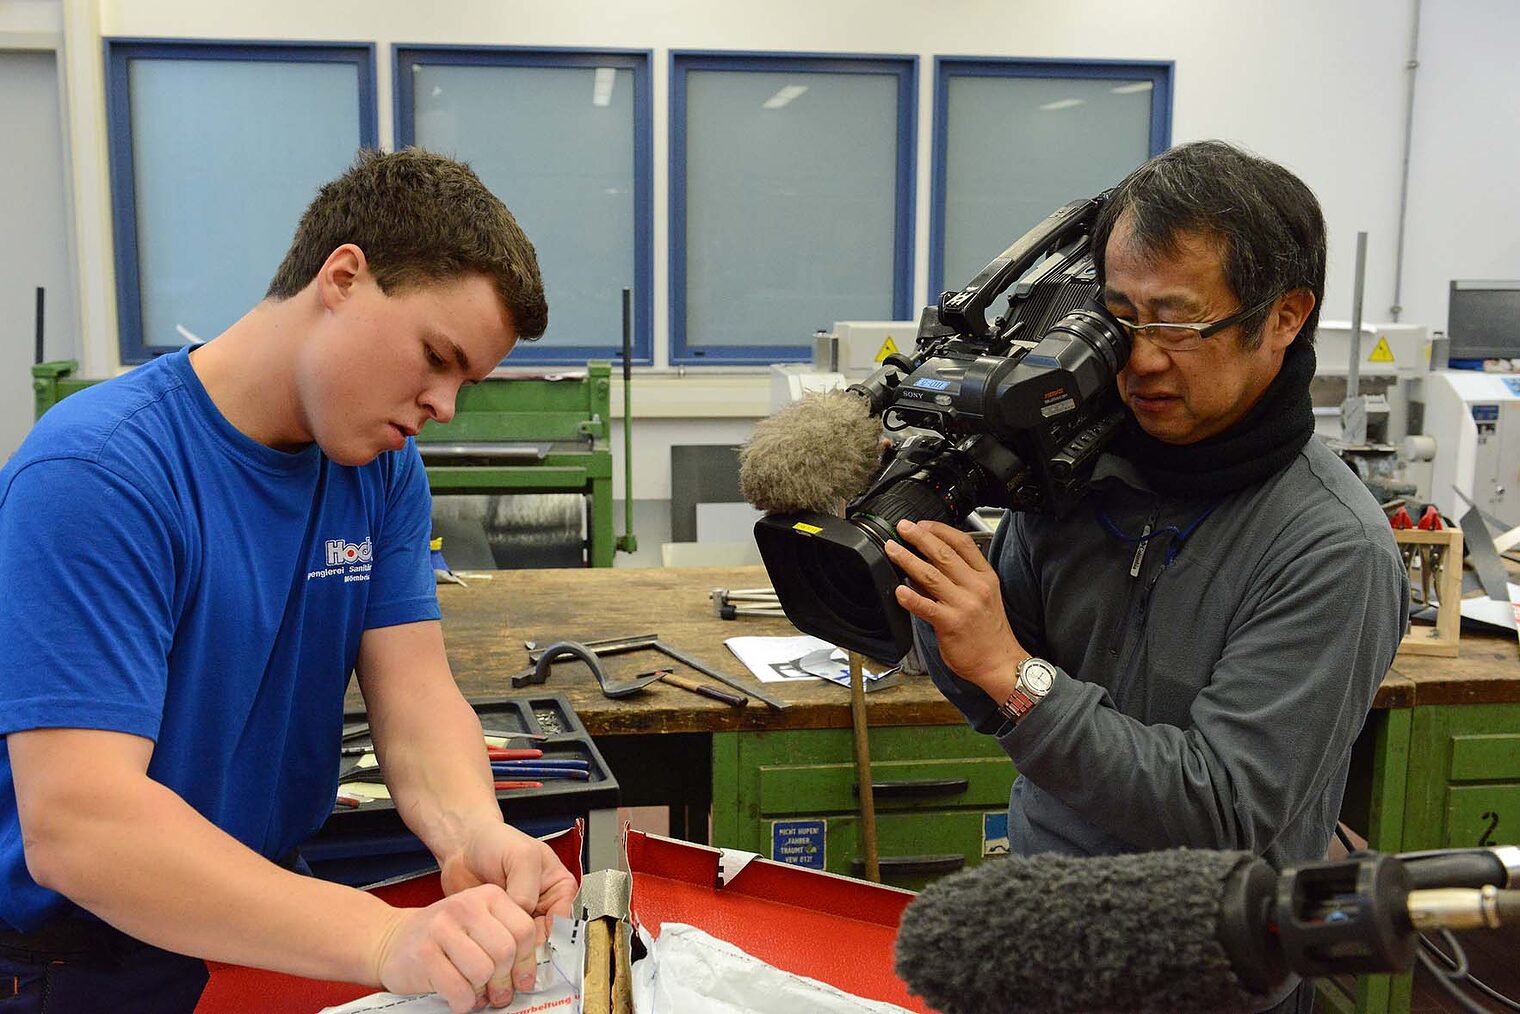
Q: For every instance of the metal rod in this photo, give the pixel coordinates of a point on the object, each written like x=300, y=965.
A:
x=1353, y=377
x=41, y=300
x=862, y=734
x=606, y=646
x=629, y=542
x=1412, y=67
x=759, y=695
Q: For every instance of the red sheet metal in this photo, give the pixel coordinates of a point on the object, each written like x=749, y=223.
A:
x=237, y=989
x=834, y=929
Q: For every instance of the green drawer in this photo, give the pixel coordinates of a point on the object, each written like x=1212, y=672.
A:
x=831, y=788
x=913, y=849
x=761, y=777
x=1485, y=758
x=1482, y=815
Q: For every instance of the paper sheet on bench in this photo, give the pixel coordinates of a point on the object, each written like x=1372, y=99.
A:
x=782, y=659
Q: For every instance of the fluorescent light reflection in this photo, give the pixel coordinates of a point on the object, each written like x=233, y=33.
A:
x=601, y=89
x=783, y=96
x=1132, y=88
x=1063, y=104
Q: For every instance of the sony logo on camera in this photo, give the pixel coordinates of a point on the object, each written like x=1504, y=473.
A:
x=340, y=552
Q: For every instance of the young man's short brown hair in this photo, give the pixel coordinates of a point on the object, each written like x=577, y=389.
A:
x=419, y=217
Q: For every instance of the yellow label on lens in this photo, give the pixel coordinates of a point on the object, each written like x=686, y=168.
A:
x=803, y=526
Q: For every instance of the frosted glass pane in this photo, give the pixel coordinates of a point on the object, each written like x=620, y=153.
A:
x=226, y=154
x=791, y=182
x=1018, y=148
x=556, y=145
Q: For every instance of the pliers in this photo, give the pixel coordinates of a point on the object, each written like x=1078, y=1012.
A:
x=1431, y=557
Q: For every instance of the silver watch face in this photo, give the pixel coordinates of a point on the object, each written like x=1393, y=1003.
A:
x=1035, y=677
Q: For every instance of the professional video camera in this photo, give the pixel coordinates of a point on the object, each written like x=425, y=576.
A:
x=1010, y=413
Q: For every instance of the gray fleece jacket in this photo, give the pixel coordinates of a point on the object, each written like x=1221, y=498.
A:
x=1210, y=700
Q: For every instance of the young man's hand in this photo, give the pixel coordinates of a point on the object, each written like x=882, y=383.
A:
x=464, y=948
x=535, y=881
x=957, y=592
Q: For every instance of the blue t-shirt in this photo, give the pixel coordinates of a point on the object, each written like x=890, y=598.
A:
x=164, y=575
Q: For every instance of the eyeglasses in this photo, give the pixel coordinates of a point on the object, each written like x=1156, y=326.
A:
x=1186, y=337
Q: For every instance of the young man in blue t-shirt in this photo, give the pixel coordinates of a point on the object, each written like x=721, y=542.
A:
x=194, y=557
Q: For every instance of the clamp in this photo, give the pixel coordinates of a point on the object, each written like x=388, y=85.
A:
x=729, y=605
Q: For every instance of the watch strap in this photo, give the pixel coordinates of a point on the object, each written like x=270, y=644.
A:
x=1016, y=705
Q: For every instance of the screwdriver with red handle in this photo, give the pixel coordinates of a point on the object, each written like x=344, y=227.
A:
x=500, y=753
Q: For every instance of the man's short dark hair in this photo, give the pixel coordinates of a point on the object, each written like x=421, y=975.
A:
x=1267, y=222
x=419, y=217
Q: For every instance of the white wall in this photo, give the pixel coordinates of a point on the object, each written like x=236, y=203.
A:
x=1464, y=206
x=1316, y=85
x=35, y=253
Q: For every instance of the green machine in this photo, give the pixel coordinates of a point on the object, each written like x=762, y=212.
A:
x=538, y=434
x=54, y=381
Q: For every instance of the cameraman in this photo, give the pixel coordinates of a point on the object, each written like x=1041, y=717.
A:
x=1186, y=658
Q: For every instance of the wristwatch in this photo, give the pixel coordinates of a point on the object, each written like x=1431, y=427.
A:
x=1034, y=681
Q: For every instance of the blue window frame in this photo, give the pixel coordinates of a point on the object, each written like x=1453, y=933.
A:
x=215, y=149
x=1016, y=139
x=565, y=138
x=791, y=199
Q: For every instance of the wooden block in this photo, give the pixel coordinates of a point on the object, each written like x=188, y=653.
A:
x=596, y=992
x=1442, y=639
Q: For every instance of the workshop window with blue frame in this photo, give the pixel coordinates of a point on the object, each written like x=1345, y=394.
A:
x=216, y=148
x=791, y=200
x=1016, y=139
x=564, y=139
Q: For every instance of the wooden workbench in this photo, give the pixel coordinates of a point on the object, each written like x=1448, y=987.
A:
x=486, y=623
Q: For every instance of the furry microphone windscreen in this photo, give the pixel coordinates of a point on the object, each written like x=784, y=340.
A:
x=813, y=455
x=1055, y=933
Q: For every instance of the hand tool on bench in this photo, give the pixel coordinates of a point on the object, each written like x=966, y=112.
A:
x=539, y=673
x=729, y=604
x=696, y=687
x=618, y=645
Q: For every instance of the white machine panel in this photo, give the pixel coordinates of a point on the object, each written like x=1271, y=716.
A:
x=1386, y=349
x=863, y=344
x=1475, y=420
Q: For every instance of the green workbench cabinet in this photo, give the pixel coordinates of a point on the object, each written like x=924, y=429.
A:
x=1464, y=780
x=935, y=785
x=1448, y=777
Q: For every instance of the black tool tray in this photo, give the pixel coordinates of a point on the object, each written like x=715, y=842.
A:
x=536, y=713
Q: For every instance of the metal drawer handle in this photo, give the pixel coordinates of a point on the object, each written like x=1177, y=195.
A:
x=909, y=866
x=915, y=790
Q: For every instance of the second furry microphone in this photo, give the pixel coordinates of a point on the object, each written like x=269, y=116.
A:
x=816, y=454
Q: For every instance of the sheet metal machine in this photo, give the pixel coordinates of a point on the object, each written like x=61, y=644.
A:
x=547, y=433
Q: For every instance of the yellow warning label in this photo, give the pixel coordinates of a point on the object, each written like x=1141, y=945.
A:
x=803, y=526
x=888, y=348
x=1381, y=353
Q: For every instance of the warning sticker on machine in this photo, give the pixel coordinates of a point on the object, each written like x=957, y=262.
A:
x=1381, y=352
x=888, y=348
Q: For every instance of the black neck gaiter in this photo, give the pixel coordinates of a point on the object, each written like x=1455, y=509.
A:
x=1261, y=444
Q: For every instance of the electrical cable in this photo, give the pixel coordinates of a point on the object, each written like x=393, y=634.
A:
x=1477, y=983
x=1448, y=982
